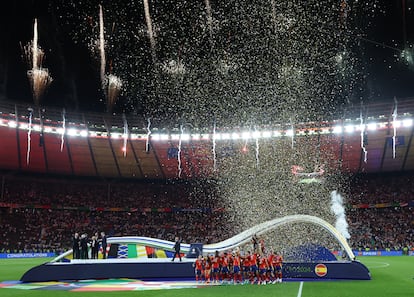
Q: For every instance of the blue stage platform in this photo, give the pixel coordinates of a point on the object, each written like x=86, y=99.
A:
x=164, y=268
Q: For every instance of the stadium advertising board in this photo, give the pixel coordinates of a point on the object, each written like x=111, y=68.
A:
x=26, y=255
x=378, y=253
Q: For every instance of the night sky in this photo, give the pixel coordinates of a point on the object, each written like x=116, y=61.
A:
x=379, y=71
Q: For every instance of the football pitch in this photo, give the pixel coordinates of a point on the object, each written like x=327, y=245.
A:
x=391, y=276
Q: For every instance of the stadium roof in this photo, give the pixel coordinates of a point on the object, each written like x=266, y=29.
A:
x=57, y=142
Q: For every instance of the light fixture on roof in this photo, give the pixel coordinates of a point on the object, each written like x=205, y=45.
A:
x=337, y=129
x=72, y=132
x=12, y=124
x=196, y=136
x=36, y=128
x=235, y=136
x=257, y=134
x=349, y=128
x=246, y=135
x=225, y=136
x=407, y=123
x=84, y=133
x=205, y=136
x=267, y=134
x=372, y=126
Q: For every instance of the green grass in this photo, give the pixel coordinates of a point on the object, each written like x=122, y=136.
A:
x=391, y=276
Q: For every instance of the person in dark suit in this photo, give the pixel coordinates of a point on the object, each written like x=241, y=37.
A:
x=177, y=247
x=84, y=247
x=76, y=246
x=104, y=244
x=94, y=247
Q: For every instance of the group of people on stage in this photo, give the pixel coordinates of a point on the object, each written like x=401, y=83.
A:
x=238, y=268
x=82, y=244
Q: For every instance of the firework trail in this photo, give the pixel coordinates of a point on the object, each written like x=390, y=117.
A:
x=257, y=150
x=148, y=136
x=29, y=139
x=362, y=127
x=179, y=151
x=209, y=20
x=102, y=46
x=125, y=136
x=214, y=148
x=39, y=77
x=114, y=88
x=274, y=14
x=394, y=125
x=35, y=48
x=62, y=139
x=338, y=209
x=150, y=30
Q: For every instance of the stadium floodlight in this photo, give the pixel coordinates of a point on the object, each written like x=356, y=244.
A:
x=396, y=124
x=195, y=136
x=72, y=132
x=372, y=126
x=267, y=134
x=225, y=136
x=257, y=134
x=36, y=128
x=349, y=128
x=175, y=136
x=246, y=135
x=235, y=136
x=12, y=124
x=337, y=129
x=407, y=123
x=84, y=133
x=289, y=132
x=205, y=136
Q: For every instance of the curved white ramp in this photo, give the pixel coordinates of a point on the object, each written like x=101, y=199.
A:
x=242, y=237
x=237, y=240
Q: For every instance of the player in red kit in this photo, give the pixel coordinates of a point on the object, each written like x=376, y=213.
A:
x=198, y=264
x=277, y=263
x=237, y=276
x=262, y=275
x=215, y=260
x=253, y=274
x=207, y=269
x=224, y=263
x=246, y=266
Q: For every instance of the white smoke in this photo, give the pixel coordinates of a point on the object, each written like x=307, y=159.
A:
x=338, y=209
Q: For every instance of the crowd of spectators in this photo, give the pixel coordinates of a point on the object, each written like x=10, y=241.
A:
x=186, y=209
x=380, y=188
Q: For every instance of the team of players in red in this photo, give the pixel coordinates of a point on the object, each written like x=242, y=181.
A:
x=236, y=268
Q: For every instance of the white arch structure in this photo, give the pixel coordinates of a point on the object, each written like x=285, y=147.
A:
x=237, y=240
